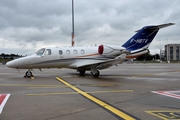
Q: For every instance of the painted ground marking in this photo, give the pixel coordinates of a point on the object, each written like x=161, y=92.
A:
x=166, y=115
x=3, y=100
x=173, y=94
x=106, y=106
x=67, y=93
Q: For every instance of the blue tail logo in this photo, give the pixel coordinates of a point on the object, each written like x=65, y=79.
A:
x=143, y=37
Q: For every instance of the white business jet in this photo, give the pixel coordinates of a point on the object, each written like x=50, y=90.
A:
x=91, y=58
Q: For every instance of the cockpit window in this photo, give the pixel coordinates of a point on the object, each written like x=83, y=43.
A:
x=41, y=51
x=48, y=52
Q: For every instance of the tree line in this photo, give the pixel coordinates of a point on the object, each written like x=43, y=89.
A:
x=148, y=57
x=9, y=56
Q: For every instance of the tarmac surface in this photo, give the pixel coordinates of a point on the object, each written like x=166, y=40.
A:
x=126, y=92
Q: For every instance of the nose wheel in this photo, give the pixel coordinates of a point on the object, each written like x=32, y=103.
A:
x=28, y=74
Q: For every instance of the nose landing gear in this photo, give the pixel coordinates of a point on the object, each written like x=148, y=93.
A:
x=29, y=74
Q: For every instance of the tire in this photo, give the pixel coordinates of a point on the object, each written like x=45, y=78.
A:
x=28, y=73
x=95, y=74
x=82, y=72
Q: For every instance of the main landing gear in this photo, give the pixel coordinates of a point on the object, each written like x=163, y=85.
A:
x=28, y=74
x=94, y=71
x=95, y=74
x=81, y=72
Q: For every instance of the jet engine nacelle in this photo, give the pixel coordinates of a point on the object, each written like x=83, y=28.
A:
x=111, y=50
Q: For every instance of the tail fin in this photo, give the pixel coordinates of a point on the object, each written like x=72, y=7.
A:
x=143, y=37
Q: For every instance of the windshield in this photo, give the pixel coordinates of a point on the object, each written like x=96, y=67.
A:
x=41, y=51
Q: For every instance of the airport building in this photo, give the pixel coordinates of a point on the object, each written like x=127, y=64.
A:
x=172, y=52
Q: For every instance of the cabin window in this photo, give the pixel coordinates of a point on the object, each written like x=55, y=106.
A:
x=41, y=51
x=48, y=52
x=75, y=52
x=60, y=52
x=82, y=52
x=68, y=52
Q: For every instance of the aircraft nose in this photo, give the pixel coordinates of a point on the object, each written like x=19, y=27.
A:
x=11, y=64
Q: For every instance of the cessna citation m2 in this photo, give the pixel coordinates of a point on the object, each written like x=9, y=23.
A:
x=90, y=59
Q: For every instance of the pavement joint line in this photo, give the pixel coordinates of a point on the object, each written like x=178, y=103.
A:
x=97, y=101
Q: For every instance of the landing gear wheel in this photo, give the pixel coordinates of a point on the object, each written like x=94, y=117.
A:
x=82, y=72
x=28, y=74
x=95, y=74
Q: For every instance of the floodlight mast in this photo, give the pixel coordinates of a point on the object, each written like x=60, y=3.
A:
x=72, y=43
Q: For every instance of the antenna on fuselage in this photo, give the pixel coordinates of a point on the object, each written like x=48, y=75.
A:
x=72, y=43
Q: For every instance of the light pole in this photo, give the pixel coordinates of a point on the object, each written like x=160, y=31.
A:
x=72, y=43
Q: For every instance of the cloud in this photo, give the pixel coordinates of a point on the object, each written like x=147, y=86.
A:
x=32, y=24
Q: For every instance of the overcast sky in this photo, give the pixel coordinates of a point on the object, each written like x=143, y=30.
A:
x=28, y=25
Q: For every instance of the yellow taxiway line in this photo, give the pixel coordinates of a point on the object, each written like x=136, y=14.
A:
x=30, y=85
x=67, y=93
x=97, y=101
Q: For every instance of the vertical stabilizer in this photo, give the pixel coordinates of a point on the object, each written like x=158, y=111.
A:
x=143, y=37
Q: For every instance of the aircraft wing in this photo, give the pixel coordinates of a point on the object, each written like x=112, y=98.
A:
x=100, y=64
x=84, y=63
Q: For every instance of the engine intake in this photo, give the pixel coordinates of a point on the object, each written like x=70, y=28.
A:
x=101, y=49
x=110, y=49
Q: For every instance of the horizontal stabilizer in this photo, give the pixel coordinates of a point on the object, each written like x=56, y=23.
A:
x=158, y=26
x=165, y=25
